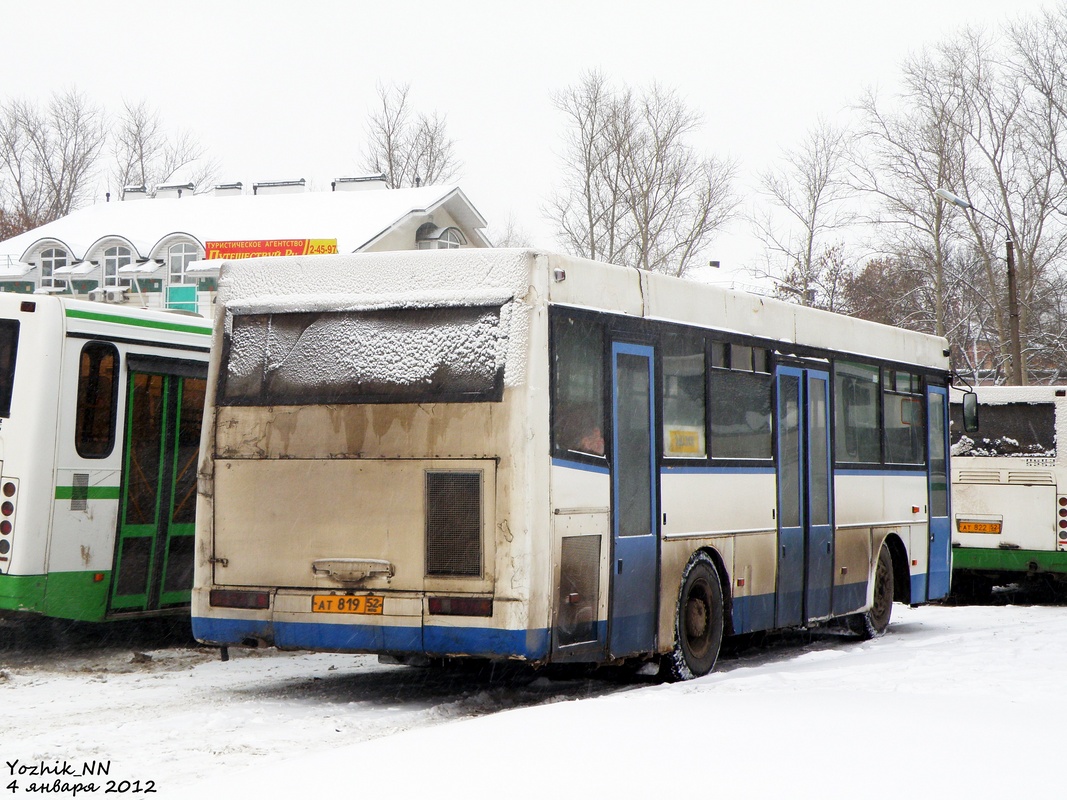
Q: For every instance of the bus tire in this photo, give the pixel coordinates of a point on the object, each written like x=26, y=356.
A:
x=698, y=622
x=873, y=622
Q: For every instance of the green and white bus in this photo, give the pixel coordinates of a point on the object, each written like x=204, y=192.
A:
x=515, y=455
x=1009, y=489
x=100, y=414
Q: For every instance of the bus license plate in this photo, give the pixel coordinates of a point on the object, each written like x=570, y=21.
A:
x=965, y=526
x=347, y=604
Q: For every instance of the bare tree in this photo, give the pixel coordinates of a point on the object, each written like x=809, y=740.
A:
x=635, y=192
x=146, y=154
x=808, y=193
x=509, y=234
x=1012, y=178
x=984, y=117
x=907, y=154
x=47, y=157
x=589, y=208
x=409, y=148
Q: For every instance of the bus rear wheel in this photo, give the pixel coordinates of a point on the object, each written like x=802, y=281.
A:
x=874, y=621
x=698, y=624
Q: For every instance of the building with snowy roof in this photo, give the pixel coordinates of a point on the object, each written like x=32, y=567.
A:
x=159, y=251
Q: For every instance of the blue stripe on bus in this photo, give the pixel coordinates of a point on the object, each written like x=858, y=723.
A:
x=724, y=470
x=757, y=613
x=428, y=639
x=849, y=596
x=918, y=472
x=754, y=613
x=559, y=462
x=918, y=588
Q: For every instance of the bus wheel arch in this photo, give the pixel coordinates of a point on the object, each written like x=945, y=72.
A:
x=901, y=573
x=699, y=620
x=873, y=622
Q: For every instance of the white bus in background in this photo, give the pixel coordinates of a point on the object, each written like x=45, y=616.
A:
x=1009, y=489
x=512, y=455
x=100, y=413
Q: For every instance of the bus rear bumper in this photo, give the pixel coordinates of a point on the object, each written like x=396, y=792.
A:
x=430, y=640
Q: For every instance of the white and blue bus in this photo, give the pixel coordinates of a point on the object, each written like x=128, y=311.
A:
x=100, y=415
x=514, y=455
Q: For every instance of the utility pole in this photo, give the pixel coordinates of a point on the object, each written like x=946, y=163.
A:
x=1018, y=373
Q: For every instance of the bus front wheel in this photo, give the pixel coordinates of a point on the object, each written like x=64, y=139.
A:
x=698, y=624
x=874, y=621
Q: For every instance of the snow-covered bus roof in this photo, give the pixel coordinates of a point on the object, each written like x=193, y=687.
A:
x=486, y=276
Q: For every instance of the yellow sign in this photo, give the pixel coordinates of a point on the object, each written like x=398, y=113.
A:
x=250, y=248
x=685, y=440
x=977, y=526
x=347, y=604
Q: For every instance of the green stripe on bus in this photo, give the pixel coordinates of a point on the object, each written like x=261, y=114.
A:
x=141, y=323
x=78, y=596
x=88, y=492
x=1009, y=560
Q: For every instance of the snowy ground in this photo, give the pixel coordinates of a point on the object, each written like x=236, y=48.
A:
x=952, y=702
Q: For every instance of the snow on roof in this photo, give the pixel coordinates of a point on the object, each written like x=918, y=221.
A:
x=355, y=219
x=408, y=278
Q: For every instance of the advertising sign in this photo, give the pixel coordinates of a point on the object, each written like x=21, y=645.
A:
x=250, y=248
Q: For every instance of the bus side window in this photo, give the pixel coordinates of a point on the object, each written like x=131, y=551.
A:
x=857, y=393
x=94, y=431
x=578, y=389
x=905, y=429
x=684, y=391
x=741, y=410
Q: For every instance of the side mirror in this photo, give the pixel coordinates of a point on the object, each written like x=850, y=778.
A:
x=970, y=412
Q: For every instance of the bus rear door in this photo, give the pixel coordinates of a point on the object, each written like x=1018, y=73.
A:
x=633, y=488
x=805, y=527
x=940, y=563
x=154, y=546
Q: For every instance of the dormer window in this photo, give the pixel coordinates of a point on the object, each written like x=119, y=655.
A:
x=51, y=260
x=431, y=237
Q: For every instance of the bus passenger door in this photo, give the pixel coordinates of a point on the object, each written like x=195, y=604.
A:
x=820, y=568
x=154, y=547
x=939, y=570
x=633, y=488
x=805, y=529
x=789, y=600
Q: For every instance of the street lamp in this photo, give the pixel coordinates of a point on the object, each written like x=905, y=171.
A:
x=1018, y=373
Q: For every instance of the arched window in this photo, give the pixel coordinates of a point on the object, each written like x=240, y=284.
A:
x=430, y=237
x=51, y=260
x=178, y=258
x=115, y=257
x=450, y=239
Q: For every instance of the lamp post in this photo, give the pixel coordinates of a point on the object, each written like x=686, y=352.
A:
x=1018, y=374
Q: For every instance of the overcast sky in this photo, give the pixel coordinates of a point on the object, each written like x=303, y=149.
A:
x=281, y=90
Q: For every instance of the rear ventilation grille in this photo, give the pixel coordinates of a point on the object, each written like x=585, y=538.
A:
x=1032, y=478
x=79, y=492
x=454, y=524
x=979, y=476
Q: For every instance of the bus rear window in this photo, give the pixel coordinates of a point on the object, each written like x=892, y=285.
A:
x=1008, y=429
x=9, y=345
x=94, y=428
x=390, y=356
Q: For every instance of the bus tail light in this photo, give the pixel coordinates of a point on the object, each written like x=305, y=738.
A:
x=9, y=489
x=461, y=606
x=234, y=598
